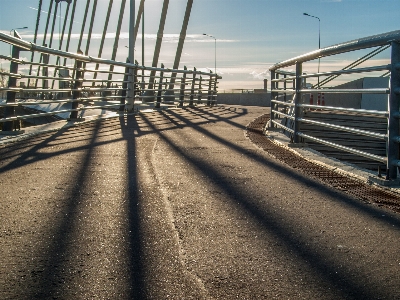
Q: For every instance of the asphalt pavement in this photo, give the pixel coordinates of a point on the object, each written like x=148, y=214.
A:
x=179, y=204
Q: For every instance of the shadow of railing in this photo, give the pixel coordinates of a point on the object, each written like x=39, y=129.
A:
x=124, y=131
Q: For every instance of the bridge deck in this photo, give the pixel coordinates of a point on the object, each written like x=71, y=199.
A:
x=180, y=204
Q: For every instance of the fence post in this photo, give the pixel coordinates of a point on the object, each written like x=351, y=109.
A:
x=192, y=89
x=393, y=121
x=200, y=92
x=12, y=83
x=160, y=87
x=284, y=87
x=131, y=86
x=215, y=91
x=299, y=71
x=273, y=95
x=124, y=88
x=45, y=71
x=76, y=93
x=182, y=91
x=209, y=90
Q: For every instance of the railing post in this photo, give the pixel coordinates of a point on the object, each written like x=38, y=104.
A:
x=393, y=122
x=273, y=95
x=214, y=100
x=182, y=91
x=135, y=86
x=192, y=89
x=209, y=94
x=76, y=94
x=299, y=71
x=12, y=83
x=200, y=92
x=124, y=88
x=160, y=87
x=45, y=71
x=284, y=87
x=131, y=85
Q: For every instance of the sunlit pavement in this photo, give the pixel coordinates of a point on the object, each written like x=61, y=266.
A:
x=179, y=204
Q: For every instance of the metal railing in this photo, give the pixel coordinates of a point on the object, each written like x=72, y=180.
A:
x=289, y=104
x=94, y=83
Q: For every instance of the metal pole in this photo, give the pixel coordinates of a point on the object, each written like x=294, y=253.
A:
x=215, y=51
x=273, y=94
x=124, y=88
x=115, y=47
x=160, y=84
x=319, y=45
x=12, y=82
x=178, y=55
x=70, y=30
x=44, y=38
x=91, y=27
x=47, y=23
x=319, y=38
x=143, y=44
x=76, y=94
x=53, y=26
x=82, y=30
x=131, y=84
x=138, y=17
x=192, y=89
x=214, y=100
x=199, y=93
x=35, y=37
x=157, y=48
x=45, y=71
x=215, y=56
x=83, y=25
x=393, y=122
x=209, y=91
x=299, y=71
x=183, y=86
x=110, y=4
x=61, y=38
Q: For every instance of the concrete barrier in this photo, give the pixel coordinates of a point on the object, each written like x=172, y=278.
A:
x=249, y=99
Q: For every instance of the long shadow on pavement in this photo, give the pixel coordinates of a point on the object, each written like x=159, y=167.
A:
x=128, y=128
x=59, y=243
x=348, y=286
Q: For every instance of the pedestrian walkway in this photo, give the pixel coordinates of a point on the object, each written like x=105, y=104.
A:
x=179, y=204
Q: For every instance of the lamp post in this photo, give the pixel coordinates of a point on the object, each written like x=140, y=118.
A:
x=319, y=37
x=215, y=55
x=18, y=28
x=14, y=30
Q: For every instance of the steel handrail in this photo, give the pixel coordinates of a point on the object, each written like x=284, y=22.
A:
x=88, y=59
x=344, y=128
x=337, y=91
x=333, y=108
x=358, y=44
x=344, y=148
x=351, y=71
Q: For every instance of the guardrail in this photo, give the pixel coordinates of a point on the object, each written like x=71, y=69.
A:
x=288, y=112
x=94, y=83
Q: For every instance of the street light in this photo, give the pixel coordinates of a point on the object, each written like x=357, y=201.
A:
x=18, y=28
x=215, y=55
x=14, y=30
x=319, y=37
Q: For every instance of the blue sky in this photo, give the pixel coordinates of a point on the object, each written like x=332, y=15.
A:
x=251, y=34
